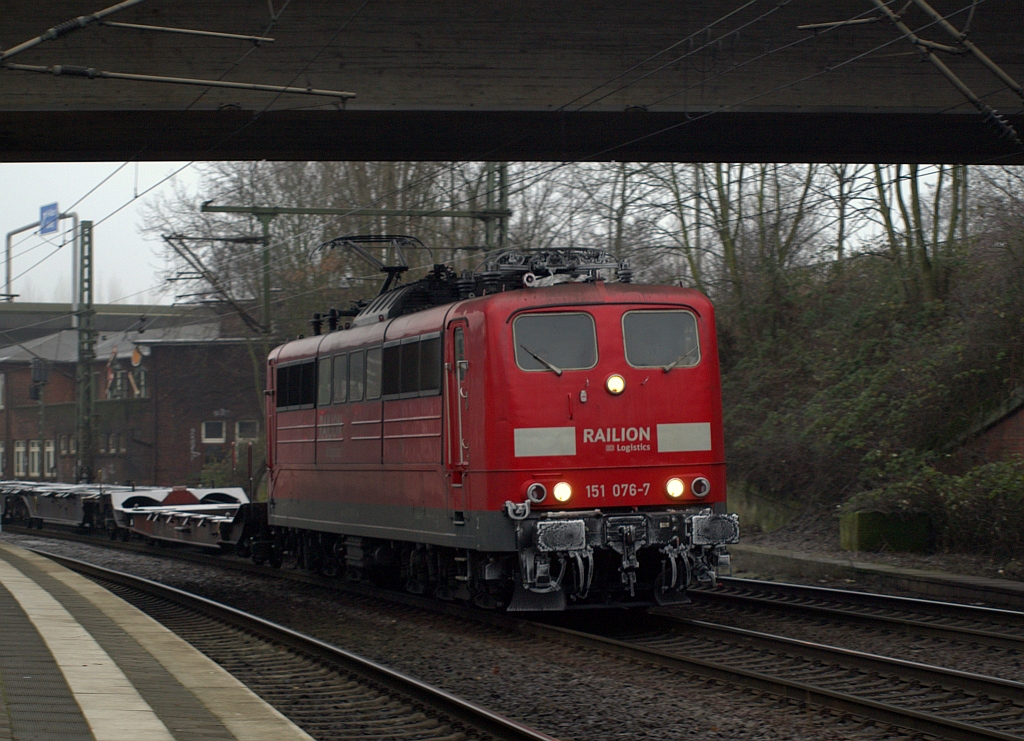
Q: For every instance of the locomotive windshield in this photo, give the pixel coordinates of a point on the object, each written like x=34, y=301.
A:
x=555, y=342
x=660, y=338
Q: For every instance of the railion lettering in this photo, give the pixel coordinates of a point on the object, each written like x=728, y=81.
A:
x=616, y=434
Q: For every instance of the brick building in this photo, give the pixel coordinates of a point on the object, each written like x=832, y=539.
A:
x=998, y=437
x=174, y=405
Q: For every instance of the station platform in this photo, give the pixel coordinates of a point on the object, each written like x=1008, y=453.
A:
x=78, y=663
x=782, y=564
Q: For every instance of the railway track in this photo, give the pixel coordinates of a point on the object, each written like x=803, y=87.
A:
x=945, y=620
x=921, y=698
x=329, y=692
x=918, y=697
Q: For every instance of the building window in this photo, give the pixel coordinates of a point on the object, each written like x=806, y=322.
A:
x=119, y=385
x=35, y=462
x=103, y=444
x=214, y=432
x=122, y=443
x=73, y=445
x=112, y=443
x=247, y=430
x=63, y=445
x=3, y=390
x=140, y=389
x=19, y=458
x=3, y=458
x=49, y=458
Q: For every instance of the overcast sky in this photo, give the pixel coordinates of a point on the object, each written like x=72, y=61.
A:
x=127, y=262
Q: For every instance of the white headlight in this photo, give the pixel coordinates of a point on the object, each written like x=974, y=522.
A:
x=615, y=384
x=562, y=491
x=675, y=488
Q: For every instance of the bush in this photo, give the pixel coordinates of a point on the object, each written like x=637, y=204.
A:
x=980, y=512
x=985, y=510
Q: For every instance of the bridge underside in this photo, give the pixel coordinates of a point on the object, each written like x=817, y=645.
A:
x=488, y=79
x=506, y=135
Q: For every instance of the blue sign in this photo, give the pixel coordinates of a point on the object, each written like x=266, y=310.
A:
x=48, y=217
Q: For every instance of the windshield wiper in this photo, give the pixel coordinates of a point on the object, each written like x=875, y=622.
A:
x=678, y=360
x=542, y=361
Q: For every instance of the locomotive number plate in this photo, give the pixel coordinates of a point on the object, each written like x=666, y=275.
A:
x=618, y=491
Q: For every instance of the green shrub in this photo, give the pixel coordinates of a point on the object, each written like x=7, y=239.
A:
x=980, y=512
x=985, y=510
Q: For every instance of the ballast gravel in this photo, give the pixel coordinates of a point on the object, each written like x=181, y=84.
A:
x=570, y=693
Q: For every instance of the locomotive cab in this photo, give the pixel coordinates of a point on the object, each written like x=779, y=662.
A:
x=598, y=421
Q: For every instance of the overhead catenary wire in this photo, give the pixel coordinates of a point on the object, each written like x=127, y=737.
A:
x=281, y=299
x=704, y=29
x=277, y=15
x=742, y=102
x=66, y=27
x=760, y=56
x=729, y=222
x=928, y=49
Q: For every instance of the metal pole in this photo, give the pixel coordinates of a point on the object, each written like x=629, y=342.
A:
x=76, y=245
x=266, y=214
x=85, y=392
x=265, y=219
x=8, y=296
x=964, y=215
x=288, y=211
x=490, y=175
x=503, y=204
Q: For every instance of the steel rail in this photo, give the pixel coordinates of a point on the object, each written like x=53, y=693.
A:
x=844, y=702
x=456, y=708
x=954, y=678
x=945, y=620
x=970, y=612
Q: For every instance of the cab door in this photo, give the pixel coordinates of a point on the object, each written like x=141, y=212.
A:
x=457, y=402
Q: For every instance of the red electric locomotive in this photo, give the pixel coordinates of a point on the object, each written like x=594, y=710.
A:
x=529, y=436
